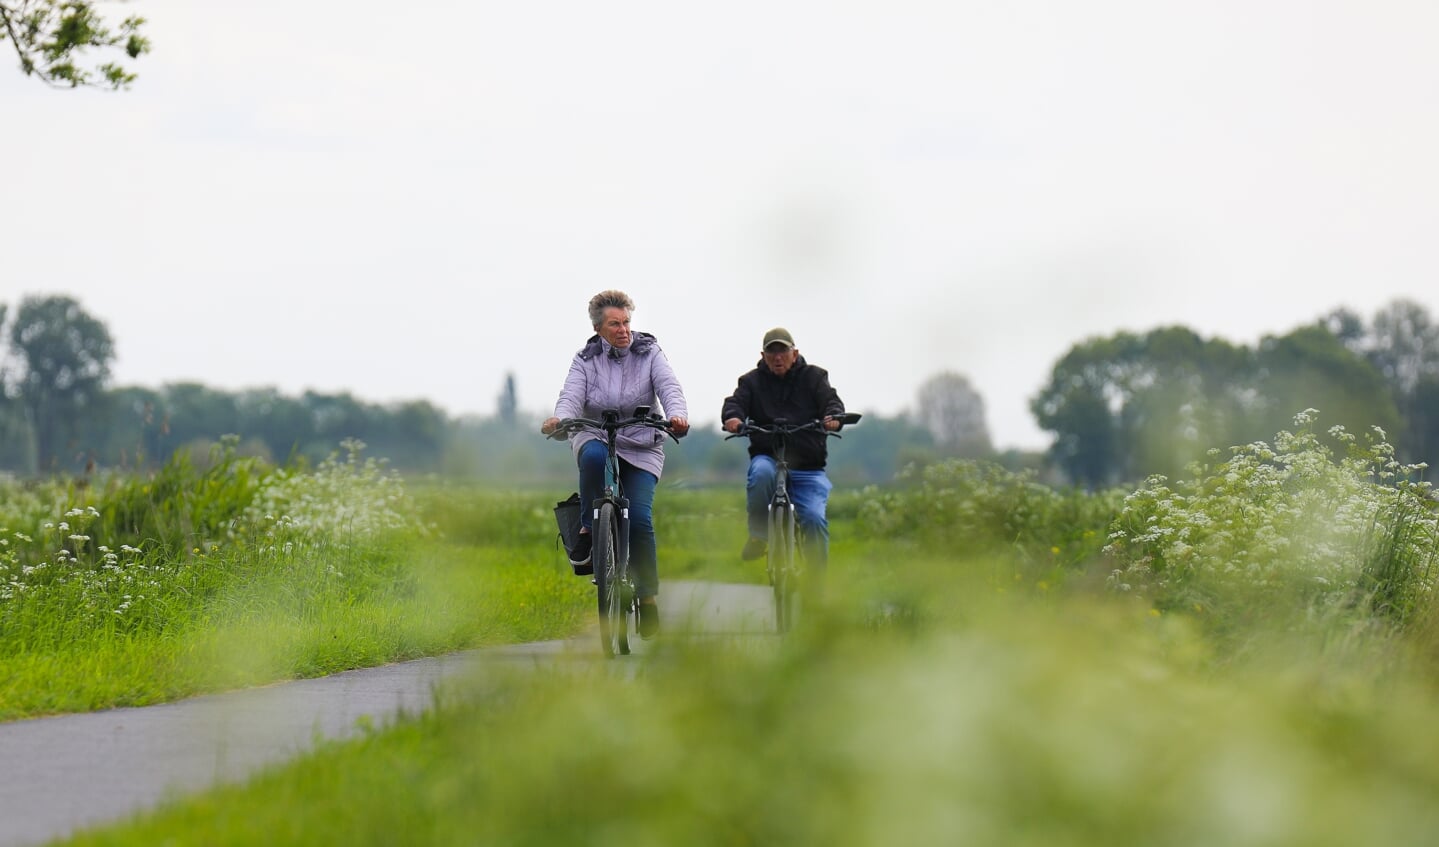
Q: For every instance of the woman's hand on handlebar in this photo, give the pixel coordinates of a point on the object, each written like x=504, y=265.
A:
x=679, y=426
x=550, y=425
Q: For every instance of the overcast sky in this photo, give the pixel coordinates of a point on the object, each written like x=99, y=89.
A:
x=411, y=200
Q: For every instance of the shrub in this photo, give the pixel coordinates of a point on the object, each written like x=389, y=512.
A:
x=981, y=508
x=1292, y=522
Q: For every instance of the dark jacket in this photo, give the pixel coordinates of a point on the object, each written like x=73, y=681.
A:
x=804, y=394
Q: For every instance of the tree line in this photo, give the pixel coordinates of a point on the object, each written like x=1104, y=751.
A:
x=1120, y=408
x=59, y=415
x=1129, y=405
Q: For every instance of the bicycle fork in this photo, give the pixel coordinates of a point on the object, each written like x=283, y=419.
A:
x=622, y=537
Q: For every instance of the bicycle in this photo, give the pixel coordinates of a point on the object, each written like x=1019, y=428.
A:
x=610, y=527
x=783, y=561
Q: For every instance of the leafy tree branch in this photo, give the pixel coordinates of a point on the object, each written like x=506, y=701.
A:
x=52, y=37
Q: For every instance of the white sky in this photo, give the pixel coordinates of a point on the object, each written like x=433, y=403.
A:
x=410, y=200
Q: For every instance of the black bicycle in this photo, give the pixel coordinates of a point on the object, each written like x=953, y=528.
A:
x=785, y=548
x=610, y=526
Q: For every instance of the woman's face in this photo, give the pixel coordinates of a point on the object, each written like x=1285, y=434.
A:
x=615, y=326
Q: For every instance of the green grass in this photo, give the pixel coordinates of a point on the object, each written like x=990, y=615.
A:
x=999, y=711
x=261, y=625
x=985, y=678
x=139, y=627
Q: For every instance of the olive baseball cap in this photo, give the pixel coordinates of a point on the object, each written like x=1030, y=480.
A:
x=779, y=336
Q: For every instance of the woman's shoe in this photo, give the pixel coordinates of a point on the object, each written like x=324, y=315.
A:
x=580, y=556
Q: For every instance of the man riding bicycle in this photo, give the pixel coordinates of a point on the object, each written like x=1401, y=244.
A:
x=783, y=386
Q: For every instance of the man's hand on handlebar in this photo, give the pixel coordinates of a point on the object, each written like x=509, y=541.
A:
x=829, y=425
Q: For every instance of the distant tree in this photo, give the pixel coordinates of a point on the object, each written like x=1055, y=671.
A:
x=877, y=448
x=509, y=403
x=1130, y=405
x=64, y=357
x=132, y=431
x=1424, y=422
x=198, y=413
x=1312, y=368
x=1184, y=395
x=50, y=37
x=1081, y=404
x=1402, y=342
x=335, y=418
x=16, y=450
x=953, y=413
x=415, y=435
x=1348, y=327
x=283, y=423
x=1404, y=346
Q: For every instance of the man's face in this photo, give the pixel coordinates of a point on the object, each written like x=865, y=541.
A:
x=780, y=359
x=615, y=326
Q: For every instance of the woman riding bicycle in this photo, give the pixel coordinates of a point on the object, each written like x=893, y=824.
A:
x=619, y=370
x=783, y=386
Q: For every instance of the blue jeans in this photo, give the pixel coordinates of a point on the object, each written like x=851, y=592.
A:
x=808, y=490
x=639, y=486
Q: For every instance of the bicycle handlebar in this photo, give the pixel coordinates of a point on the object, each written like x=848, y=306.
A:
x=612, y=423
x=780, y=427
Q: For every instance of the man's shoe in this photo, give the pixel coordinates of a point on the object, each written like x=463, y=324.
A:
x=580, y=556
x=754, y=548
x=649, y=620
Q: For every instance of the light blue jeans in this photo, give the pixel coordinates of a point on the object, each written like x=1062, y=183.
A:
x=808, y=490
x=639, y=486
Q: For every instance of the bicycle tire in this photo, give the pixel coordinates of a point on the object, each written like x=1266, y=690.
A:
x=608, y=581
x=782, y=565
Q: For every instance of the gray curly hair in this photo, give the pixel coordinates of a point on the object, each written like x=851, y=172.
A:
x=610, y=299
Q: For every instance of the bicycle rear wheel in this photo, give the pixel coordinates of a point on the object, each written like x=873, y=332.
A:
x=782, y=565
x=613, y=637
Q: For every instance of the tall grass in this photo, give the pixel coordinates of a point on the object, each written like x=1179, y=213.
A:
x=240, y=574
x=1244, y=658
x=1291, y=529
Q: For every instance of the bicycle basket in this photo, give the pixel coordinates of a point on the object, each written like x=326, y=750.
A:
x=567, y=518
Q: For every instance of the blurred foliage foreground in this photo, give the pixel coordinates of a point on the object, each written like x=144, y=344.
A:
x=1247, y=657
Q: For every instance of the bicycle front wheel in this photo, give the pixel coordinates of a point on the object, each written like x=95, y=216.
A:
x=782, y=565
x=605, y=551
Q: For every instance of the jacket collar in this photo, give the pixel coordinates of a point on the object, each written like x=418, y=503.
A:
x=640, y=345
x=764, y=370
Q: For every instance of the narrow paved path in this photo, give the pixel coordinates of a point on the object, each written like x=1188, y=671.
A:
x=60, y=774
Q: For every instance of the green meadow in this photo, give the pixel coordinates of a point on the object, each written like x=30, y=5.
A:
x=1246, y=656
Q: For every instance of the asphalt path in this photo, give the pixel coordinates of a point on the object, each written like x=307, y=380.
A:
x=70, y=772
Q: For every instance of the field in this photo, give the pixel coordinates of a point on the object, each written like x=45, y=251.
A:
x=1246, y=657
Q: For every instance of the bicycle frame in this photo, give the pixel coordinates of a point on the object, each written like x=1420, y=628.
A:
x=786, y=554
x=784, y=562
